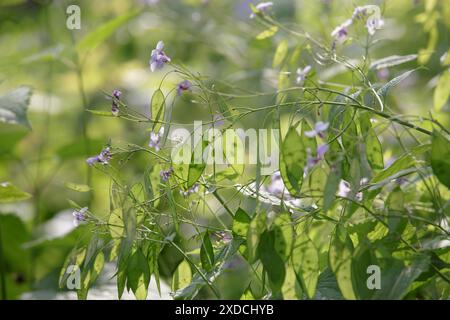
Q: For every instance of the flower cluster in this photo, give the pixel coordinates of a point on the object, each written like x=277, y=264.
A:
x=115, y=107
x=103, y=158
x=79, y=216
x=302, y=73
x=158, y=58
x=191, y=190
x=165, y=174
x=373, y=22
x=262, y=7
x=155, y=139
x=183, y=86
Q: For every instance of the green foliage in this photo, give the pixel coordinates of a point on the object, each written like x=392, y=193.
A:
x=440, y=158
x=319, y=224
x=10, y=193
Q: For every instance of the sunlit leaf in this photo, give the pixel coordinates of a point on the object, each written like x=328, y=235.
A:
x=442, y=91
x=440, y=158
x=138, y=277
x=404, y=162
x=10, y=193
x=182, y=276
x=280, y=53
x=340, y=255
x=374, y=152
x=157, y=109
x=267, y=33
x=77, y=187
x=283, y=235
x=305, y=259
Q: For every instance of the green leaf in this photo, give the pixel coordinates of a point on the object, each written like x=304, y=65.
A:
x=440, y=158
x=157, y=109
x=374, y=151
x=76, y=258
x=196, y=169
x=207, y=253
x=256, y=228
x=116, y=224
x=182, y=276
x=247, y=295
x=305, y=259
x=283, y=235
x=395, y=278
x=340, y=259
x=331, y=186
x=77, y=187
x=138, y=277
x=241, y=223
x=291, y=289
x=267, y=33
x=293, y=158
x=280, y=53
x=14, y=106
x=90, y=272
x=392, y=61
x=10, y=193
x=224, y=255
x=103, y=32
x=404, y=162
x=442, y=91
x=384, y=89
x=272, y=262
x=100, y=113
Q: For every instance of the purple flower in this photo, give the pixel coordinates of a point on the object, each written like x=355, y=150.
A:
x=103, y=158
x=158, y=58
x=218, y=120
x=311, y=160
x=359, y=13
x=115, y=107
x=373, y=23
x=262, y=7
x=225, y=237
x=340, y=33
x=321, y=150
x=184, y=85
x=191, y=190
x=79, y=216
x=345, y=190
x=165, y=174
x=319, y=129
x=302, y=73
x=155, y=139
x=276, y=186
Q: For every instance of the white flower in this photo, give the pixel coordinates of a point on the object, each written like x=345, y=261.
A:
x=155, y=139
x=302, y=73
x=374, y=24
x=340, y=33
x=79, y=216
x=318, y=130
x=262, y=7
